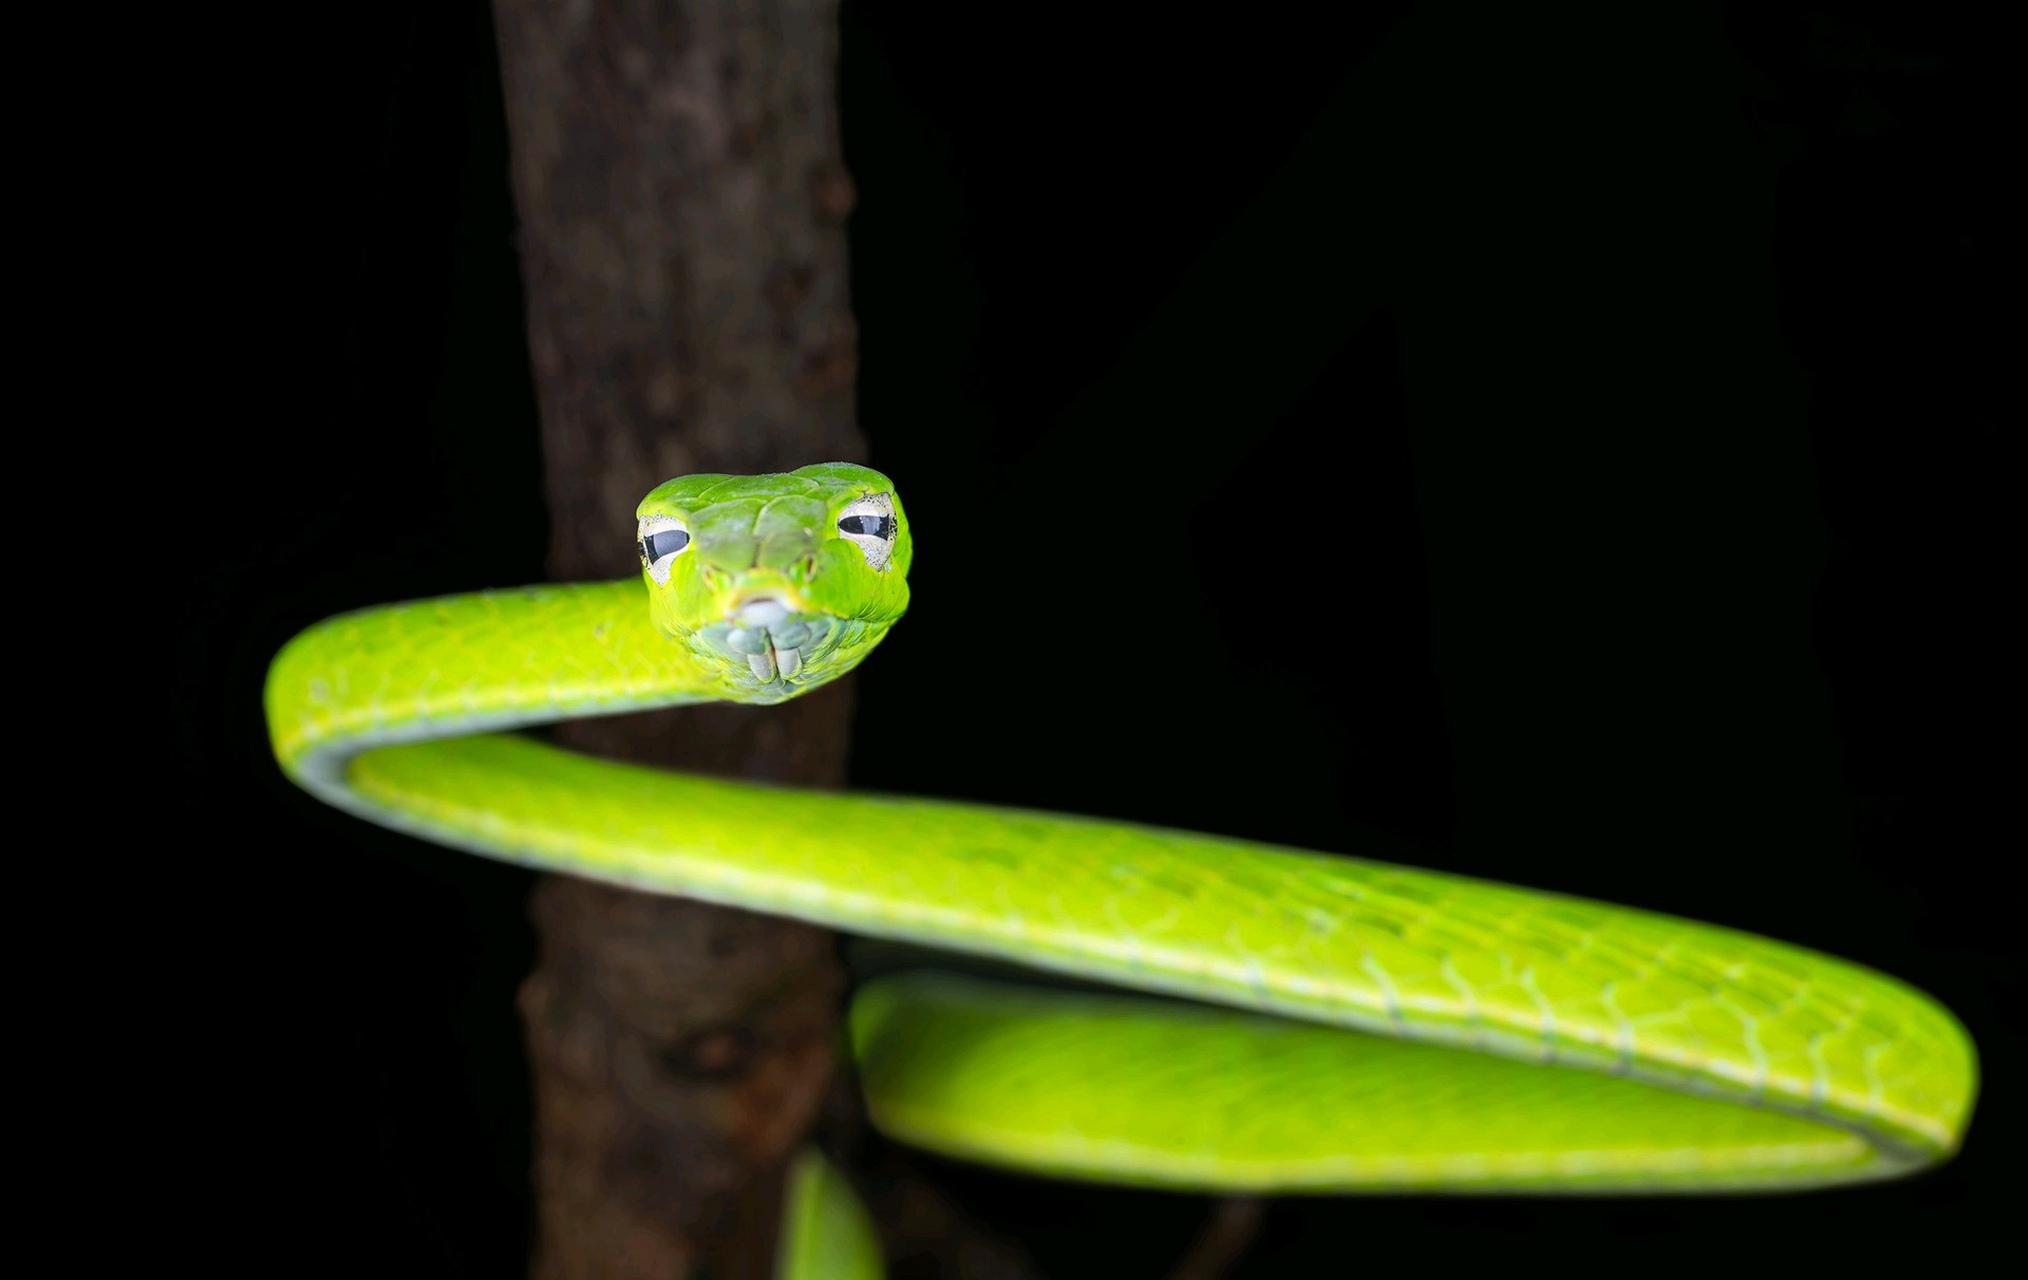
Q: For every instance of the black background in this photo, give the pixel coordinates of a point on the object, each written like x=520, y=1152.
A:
x=1572, y=447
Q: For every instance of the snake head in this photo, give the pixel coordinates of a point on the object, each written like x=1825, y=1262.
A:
x=775, y=584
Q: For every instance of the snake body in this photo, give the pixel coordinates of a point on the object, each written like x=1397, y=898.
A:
x=1335, y=1023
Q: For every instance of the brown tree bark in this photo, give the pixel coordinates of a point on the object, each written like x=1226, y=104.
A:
x=682, y=201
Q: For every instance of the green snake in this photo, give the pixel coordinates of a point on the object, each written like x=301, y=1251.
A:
x=1335, y=1024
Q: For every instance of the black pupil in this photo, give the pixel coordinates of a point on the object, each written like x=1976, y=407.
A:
x=870, y=526
x=666, y=542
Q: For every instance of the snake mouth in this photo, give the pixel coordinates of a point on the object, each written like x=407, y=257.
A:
x=771, y=634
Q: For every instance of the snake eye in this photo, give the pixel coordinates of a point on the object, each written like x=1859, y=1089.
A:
x=661, y=540
x=869, y=523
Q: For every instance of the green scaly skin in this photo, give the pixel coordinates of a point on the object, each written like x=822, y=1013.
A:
x=825, y=1233
x=1514, y=1039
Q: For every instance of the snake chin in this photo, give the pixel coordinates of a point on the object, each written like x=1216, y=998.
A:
x=774, y=635
x=775, y=664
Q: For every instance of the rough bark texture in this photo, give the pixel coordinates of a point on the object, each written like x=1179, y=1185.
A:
x=682, y=201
